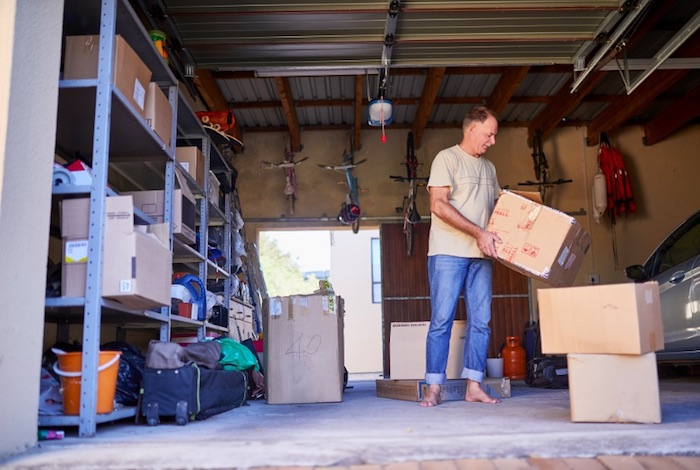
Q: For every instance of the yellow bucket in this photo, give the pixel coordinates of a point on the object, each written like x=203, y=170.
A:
x=69, y=367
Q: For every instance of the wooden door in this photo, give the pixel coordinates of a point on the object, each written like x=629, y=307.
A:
x=406, y=297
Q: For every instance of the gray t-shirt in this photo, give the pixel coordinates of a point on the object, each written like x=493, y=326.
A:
x=474, y=189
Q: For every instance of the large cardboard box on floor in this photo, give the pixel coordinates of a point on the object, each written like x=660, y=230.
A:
x=538, y=241
x=601, y=319
x=137, y=263
x=184, y=209
x=407, y=350
x=131, y=75
x=304, y=351
x=614, y=388
x=415, y=390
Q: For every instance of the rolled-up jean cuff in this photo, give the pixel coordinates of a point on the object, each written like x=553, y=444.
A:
x=435, y=379
x=474, y=375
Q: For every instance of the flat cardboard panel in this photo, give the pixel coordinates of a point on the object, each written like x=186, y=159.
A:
x=614, y=388
x=601, y=319
x=193, y=161
x=415, y=390
x=538, y=241
x=131, y=75
x=407, y=350
x=303, y=345
x=159, y=113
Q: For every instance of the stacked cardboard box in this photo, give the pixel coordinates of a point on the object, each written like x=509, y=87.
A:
x=137, y=264
x=610, y=334
x=303, y=343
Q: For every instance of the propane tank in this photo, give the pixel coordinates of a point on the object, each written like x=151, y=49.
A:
x=513, y=359
x=600, y=195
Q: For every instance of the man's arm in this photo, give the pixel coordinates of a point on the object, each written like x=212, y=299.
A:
x=440, y=207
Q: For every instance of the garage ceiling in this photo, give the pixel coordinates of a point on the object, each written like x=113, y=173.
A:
x=296, y=65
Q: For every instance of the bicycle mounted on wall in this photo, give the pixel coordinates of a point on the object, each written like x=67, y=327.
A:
x=290, y=185
x=350, y=211
x=409, y=208
x=541, y=169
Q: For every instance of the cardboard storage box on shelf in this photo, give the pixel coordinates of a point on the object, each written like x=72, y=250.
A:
x=601, y=319
x=159, y=113
x=415, y=390
x=407, y=350
x=538, y=241
x=137, y=262
x=192, y=160
x=131, y=75
x=152, y=203
x=614, y=388
x=303, y=343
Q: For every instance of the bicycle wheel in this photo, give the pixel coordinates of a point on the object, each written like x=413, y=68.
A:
x=356, y=224
x=408, y=231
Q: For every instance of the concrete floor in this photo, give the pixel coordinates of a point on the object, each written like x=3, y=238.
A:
x=364, y=429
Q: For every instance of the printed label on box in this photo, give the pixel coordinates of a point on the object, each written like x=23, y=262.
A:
x=76, y=251
x=564, y=255
x=125, y=286
x=275, y=308
x=139, y=94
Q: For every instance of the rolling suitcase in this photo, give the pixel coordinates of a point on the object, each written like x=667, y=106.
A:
x=190, y=393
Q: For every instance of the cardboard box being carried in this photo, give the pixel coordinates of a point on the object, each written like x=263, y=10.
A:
x=184, y=213
x=407, y=350
x=131, y=75
x=614, y=388
x=137, y=263
x=601, y=319
x=538, y=241
x=415, y=390
x=304, y=352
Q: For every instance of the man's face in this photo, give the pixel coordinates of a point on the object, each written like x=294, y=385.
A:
x=482, y=135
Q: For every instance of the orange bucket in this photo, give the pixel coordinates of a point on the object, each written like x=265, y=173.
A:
x=69, y=367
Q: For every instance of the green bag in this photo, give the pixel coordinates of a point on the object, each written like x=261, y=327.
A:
x=235, y=356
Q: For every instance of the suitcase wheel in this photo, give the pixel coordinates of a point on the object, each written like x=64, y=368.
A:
x=181, y=413
x=152, y=414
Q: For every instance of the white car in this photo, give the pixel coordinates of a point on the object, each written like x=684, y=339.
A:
x=675, y=265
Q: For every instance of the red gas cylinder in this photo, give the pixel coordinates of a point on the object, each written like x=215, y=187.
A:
x=513, y=359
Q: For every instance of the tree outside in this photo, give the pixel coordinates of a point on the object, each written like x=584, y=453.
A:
x=283, y=275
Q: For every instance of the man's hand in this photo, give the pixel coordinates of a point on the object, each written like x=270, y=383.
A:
x=486, y=241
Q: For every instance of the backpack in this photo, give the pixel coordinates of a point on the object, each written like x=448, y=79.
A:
x=547, y=372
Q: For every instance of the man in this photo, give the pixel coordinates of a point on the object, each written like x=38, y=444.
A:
x=463, y=191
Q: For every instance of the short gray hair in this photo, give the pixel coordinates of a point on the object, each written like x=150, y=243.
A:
x=477, y=114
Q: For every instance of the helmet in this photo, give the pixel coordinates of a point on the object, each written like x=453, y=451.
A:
x=349, y=213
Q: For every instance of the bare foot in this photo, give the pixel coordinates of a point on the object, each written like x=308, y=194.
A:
x=476, y=394
x=432, y=398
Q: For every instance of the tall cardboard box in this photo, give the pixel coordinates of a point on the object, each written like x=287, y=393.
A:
x=407, y=350
x=192, y=160
x=131, y=74
x=614, y=388
x=303, y=344
x=137, y=263
x=184, y=209
x=159, y=113
x=538, y=241
x=601, y=319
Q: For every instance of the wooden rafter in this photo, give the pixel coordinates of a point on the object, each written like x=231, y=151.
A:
x=505, y=88
x=358, y=112
x=290, y=112
x=212, y=96
x=425, y=106
x=672, y=118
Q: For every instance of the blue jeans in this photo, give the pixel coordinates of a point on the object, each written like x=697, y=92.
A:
x=450, y=276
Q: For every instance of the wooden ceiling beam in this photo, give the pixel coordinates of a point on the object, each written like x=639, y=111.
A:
x=359, y=83
x=672, y=118
x=290, y=113
x=505, y=88
x=425, y=106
